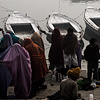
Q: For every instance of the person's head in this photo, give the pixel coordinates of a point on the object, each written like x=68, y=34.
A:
x=92, y=41
x=8, y=39
x=70, y=31
x=74, y=73
x=27, y=41
x=56, y=31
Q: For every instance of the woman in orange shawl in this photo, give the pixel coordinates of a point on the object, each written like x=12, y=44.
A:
x=38, y=64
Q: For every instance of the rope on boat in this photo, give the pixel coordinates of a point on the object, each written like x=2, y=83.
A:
x=40, y=20
x=79, y=16
x=6, y=9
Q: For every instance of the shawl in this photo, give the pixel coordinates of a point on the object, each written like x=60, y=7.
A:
x=5, y=76
x=37, y=40
x=14, y=38
x=18, y=63
x=56, y=52
x=70, y=44
x=38, y=61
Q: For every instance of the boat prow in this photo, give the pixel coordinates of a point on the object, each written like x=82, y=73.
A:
x=22, y=25
x=63, y=23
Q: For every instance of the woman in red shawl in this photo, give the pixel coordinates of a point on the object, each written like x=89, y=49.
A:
x=56, y=52
x=38, y=64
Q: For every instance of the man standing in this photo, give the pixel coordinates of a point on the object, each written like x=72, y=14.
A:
x=91, y=54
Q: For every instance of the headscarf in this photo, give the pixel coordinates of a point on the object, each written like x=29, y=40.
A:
x=74, y=72
x=38, y=61
x=8, y=42
x=8, y=39
x=37, y=40
x=14, y=38
x=19, y=64
x=56, y=52
x=70, y=43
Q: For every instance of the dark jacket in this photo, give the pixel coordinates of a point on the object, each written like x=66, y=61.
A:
x=91, y=53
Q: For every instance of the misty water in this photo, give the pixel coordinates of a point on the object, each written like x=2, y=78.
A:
x=39, y=10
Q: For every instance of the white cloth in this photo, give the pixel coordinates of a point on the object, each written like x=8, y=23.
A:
x=70, y=59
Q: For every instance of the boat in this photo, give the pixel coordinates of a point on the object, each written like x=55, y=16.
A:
x=63, y=22
x=92, y=21
x=22, y=25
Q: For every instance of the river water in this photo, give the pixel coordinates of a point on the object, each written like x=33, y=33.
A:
x=40, y=9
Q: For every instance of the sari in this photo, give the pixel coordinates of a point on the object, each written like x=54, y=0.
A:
x=5, y=75
x=38, y=61
x=18, y=63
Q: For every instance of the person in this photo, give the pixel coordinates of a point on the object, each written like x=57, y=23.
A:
x=17, y=61
x=91, y=54
x=38, y=65
x=15, y=39
x=6, y=45
x=48, y=34
x=56, y=53
x=37, y=40
x=5, y=75
x=69, y=87
x=69, y=45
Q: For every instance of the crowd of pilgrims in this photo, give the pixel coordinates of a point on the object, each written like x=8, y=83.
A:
x=23, y=63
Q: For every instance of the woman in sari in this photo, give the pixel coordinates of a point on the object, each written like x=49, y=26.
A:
x=15, y=39
x=56, y=52
x=5, y=76
x=38, y=64
x=17, y=61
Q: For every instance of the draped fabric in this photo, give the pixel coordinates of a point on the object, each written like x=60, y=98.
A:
x=56, y=52
x=7, y=43
x=37, y=40
x=14, y=38
x=70, y=44
x=5, y=76
x=38, y=61
x=18, y=63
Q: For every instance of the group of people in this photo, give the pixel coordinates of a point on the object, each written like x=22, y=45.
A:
x=65, y=55
x=23, y=63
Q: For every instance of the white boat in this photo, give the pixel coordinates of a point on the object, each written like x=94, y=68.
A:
x=63, y=23
x=92, y=21
x=22, y=25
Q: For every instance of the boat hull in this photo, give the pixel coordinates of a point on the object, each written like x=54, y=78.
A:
x=91, y=33
x=63, y=23
x=22, y=25
x=92, y=21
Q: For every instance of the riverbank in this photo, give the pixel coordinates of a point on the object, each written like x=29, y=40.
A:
x=53, y=87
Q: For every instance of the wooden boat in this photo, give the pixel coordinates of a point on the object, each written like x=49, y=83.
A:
x=22, y=25
x=92, y=21
x=63, y=23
